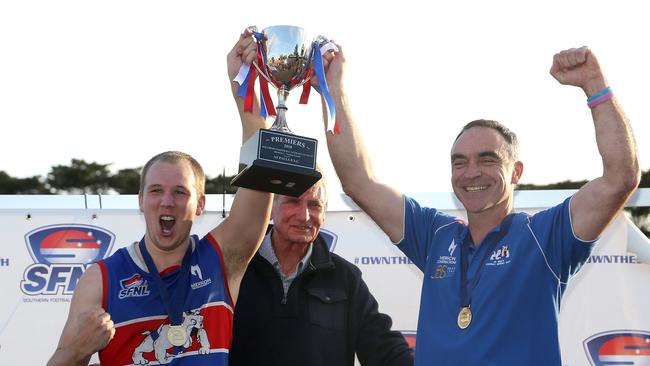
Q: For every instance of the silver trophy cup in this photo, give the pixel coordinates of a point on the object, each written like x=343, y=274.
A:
x=275, y=160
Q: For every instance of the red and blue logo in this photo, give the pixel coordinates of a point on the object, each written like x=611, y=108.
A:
x=134, y=286
x=621, y=347
x=133, y=281
x=61, y=254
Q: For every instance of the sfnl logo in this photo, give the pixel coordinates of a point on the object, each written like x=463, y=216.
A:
x=622, y=347
x=61, y=254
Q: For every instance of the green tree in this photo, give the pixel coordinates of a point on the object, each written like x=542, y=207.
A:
x=126, y=181
x=80, y=177
x=94, y=178
x=567, y=184
x=219, y=185
x=31, y=185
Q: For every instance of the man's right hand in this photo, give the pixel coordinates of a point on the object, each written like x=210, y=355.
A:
x=89, y=328
x=94, y=329
x=244, y=52
x=87, y=333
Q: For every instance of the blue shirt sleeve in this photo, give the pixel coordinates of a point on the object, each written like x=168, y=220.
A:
x=565, y=253
x=420, y=226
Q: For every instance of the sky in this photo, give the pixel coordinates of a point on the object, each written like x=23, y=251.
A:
x=120, y=81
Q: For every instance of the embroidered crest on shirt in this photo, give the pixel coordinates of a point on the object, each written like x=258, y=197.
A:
x=499, y=257
x=134, y=286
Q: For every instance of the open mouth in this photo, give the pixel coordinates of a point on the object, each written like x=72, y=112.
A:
x=167, y=223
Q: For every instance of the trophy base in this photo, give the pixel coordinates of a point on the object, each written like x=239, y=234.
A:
x=278, y=162
x=281, y=179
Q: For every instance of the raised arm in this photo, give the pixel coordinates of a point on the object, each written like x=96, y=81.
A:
x=88, y=328
x=352, y=164
x=598, y=201
x=241, y=233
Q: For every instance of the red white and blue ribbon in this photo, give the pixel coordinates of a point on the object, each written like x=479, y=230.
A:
x=246, y=80
x=266, y=103
x=323, y=90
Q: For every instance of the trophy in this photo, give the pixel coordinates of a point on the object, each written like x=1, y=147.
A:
x=276, y=160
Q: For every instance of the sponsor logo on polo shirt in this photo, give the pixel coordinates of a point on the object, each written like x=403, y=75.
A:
x=441, y=271
x=452, y=247
x=446, y=264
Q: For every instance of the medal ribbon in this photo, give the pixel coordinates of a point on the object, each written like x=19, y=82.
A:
x=175, y=309
x=465, y=290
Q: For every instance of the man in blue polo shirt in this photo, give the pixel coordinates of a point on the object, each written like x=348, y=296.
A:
x=492, y=285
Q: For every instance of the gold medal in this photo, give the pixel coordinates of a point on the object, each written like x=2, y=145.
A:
x=464, y=317
x=176, y=335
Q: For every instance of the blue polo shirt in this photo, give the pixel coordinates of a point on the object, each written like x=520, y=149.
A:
x=517, y=297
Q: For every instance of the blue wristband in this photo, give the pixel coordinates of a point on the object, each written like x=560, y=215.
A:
x=599, y=94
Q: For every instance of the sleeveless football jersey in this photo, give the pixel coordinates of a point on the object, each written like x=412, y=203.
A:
x=141, y=322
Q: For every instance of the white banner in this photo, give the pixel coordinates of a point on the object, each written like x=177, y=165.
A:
x=605, y=314
x=605, y=309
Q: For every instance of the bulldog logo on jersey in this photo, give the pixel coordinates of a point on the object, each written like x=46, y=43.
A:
x=156, y=342
x=61, y=254
x=622, y=347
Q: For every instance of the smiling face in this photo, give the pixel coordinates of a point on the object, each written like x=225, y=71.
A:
x=298, y=219
x=483, y=172
x=169, y=202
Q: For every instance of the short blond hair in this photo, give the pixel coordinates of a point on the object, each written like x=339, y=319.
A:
x=175, y=157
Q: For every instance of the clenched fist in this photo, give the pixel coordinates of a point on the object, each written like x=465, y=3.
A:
x=578, y=67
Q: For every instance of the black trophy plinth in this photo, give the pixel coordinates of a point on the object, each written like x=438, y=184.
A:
x=278, y=162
